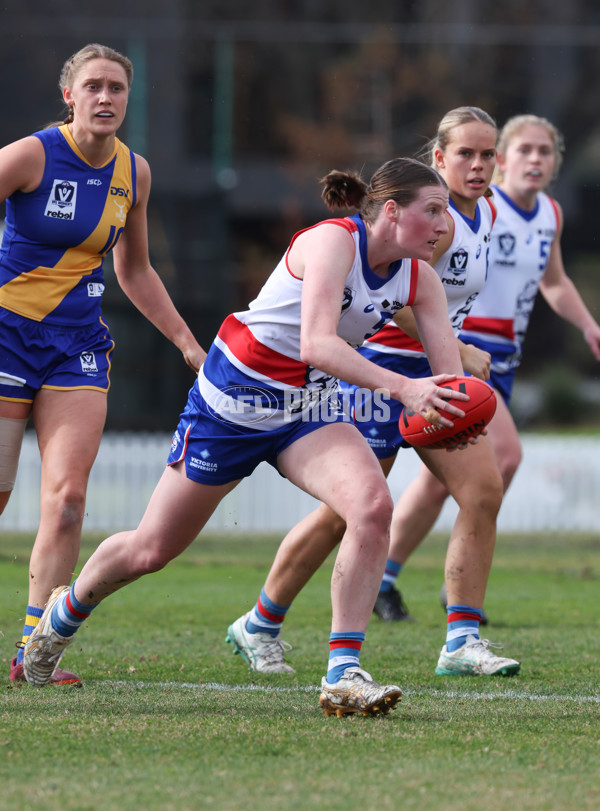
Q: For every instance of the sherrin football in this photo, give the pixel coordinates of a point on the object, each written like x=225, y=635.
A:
x=479, y=410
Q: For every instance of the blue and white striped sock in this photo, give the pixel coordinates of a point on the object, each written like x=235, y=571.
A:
x=462, y=621
x=69, y=614
x=344, y=651
x=392, y=570
x=266, y=616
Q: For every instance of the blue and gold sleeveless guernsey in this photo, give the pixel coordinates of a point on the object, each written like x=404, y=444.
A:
x=56, y=237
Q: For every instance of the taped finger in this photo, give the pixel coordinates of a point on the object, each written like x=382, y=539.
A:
x=432, y=416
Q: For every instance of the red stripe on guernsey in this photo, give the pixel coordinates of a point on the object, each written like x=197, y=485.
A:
x=346, y=223
x=460, y=616
x=258, y=357
x=264, y=612
x=554, y=205
x=344, y=643
x=80, y=615
x=414, y=279
x=493, y=207
x=490, y=326
x=395, y=338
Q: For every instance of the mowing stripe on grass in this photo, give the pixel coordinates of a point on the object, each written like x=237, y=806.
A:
x=450, y=694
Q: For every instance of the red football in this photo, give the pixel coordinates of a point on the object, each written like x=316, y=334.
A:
x=479, y=410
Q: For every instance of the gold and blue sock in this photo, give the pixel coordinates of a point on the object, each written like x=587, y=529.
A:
x=32, y=618
x=344, y=651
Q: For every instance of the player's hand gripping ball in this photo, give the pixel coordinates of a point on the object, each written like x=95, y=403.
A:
x=479, y=410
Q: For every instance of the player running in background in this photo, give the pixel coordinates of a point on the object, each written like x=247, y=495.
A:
x=73, y=193
x=464, y=151
x=267, y=392
x=525, y=255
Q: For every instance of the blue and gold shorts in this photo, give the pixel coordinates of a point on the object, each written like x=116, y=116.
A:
x=36, y=356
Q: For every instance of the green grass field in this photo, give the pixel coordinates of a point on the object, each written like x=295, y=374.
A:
x=170, y=719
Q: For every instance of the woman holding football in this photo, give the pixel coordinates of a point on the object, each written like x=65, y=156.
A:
x=464, y=152
x=525, y=255
x=266, y=392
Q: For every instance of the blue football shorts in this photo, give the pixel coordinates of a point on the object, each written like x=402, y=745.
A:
x=504, y=366
x=216, y=451
x=36, y=356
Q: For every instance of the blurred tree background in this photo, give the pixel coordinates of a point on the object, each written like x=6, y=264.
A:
x=241, y=107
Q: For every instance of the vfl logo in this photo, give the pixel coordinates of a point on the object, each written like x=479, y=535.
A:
x=88, y=362
x=62, y=200
x=507, y=243
x=95, y=289
x=458, y=262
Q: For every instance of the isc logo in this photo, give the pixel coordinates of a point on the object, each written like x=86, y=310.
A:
x=119, y=192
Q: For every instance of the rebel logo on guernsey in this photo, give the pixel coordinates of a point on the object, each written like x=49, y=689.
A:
x=62, y=200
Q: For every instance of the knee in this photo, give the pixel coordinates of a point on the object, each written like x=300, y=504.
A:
x=149, y=560
x=67, y=505
x=509, y=464
x=490, y=492
x=483, y=493
x=372, y=512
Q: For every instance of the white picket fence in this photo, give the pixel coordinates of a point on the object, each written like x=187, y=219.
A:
x=557, y=488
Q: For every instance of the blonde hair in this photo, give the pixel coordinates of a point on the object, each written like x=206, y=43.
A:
x=455, y=118
x=512, y=128
x=74, y=63
x=452, y=119
x=400, y=179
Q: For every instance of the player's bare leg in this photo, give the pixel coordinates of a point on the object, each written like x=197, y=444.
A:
x=69, y=429
x=325, y=466
x=472, y=478
x=303, y=550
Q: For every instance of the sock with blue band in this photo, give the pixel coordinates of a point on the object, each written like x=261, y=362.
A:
x=462, y=621
x=266, y=617
x=392, y=570
x=69, y=614
x=344, y=651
